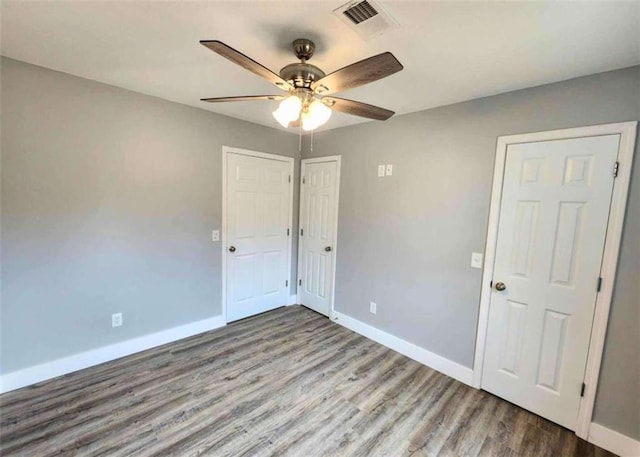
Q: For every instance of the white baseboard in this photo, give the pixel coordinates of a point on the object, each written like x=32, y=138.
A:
x=613, y=441
x=293, y=300
x=59, y=367
x=435, y=361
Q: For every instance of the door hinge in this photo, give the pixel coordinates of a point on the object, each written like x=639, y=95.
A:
x=287, y=232
x=300, y=282
x=599, y=283
x=304, y=180
x=301, y=232
x=289, y=178
x=582, y=389
x=616, y=166
x=491, y=284
x=286, y=283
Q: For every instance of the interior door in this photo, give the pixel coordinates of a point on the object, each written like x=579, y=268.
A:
x=318, y=213
x=257, y=242
x=551, y=234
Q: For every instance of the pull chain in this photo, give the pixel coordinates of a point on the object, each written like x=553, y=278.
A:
x=311, y=147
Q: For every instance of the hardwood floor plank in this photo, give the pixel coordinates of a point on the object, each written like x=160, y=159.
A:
x=284, y=383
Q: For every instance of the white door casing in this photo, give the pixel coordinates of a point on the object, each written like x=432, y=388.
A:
x=561, y=307
x=553, y=221
x=256, y=232
x=319, y=191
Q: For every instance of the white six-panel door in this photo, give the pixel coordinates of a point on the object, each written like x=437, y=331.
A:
x=257, y=237
x=551, y=233
x=318, y=213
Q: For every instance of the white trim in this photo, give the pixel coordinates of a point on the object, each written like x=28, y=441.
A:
x=608, y=273
x=223, y=250
x=489, y=259
x=336, y=158
x=59, y=367
x=303, y=162
x=627, y=132
x=435, y=361
x=262, y=155
x=613, y=441
x=293, y=300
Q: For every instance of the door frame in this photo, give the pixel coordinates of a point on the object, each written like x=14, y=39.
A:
x=627, y=132
x=303, y=162
x=226, y=150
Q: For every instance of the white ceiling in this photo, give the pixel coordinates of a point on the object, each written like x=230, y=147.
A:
x=451, y=51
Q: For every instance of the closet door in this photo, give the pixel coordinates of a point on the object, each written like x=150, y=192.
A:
x=257, y=241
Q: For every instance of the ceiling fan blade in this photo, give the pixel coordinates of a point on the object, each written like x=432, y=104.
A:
x=246, y=63
x=358, y=74
x=244, y=98
x=358, y=108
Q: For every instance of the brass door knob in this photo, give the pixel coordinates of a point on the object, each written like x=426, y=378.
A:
x=500, y=286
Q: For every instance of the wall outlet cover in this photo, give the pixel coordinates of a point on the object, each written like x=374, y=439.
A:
x=215, y=235
x=381, y=169
x=389, y=169
x=373, y=308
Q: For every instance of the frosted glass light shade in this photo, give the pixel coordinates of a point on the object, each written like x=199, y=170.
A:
x=281, y=117
x=288, y=111
x=317, y=115
x=291, y=107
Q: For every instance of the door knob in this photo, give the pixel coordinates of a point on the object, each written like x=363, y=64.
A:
x=232, y=249
x=500, y=286
x=328, y=249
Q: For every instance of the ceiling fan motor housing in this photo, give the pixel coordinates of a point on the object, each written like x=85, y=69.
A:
x=301, y=75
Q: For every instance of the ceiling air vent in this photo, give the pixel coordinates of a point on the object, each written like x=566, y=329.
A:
x=366, y=17
x=360, y=12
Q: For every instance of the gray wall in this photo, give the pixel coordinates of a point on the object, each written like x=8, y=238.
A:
x=109, y=197
x=405, y=241
x=108, y=202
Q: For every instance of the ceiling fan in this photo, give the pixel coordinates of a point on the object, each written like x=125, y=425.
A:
x=310, y=99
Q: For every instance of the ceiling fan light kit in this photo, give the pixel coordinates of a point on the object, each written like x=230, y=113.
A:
x=304, y=106
x=315, y=115
x=288, y=111
x=308, y=85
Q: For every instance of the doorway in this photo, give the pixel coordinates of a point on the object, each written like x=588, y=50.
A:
x=555, y=226
x=319, y=195
x=257, y=216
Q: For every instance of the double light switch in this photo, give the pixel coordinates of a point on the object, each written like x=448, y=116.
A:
x=385, y=170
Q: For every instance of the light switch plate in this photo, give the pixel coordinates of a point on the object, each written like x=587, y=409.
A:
x=476, y=260
x=389, y=169
x=381, y=171
x=215, y=235
x=116, y=320
x=373, y=308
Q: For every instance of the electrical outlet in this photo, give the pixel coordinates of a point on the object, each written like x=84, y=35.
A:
x=381, y=169
x=373, y=308
x=389, y=170
x=476, y=260
x=215, y=235
x=116, y=320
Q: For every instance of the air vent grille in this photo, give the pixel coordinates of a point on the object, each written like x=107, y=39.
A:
x=368, y=18
x=360, y=12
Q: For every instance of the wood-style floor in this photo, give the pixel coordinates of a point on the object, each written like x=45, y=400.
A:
x=288, y=382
